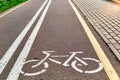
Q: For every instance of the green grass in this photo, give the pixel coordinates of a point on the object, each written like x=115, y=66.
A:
x=7, y=4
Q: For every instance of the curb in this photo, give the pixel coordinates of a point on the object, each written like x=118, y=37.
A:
x=112, y=46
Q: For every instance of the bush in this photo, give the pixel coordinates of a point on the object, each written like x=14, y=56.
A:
x=6, y=4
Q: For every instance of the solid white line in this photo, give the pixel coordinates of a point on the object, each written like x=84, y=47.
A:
x=112, y=74
x=12, y=9
x=60, y=56
x=5, y=59
x=16, y=70
x=55, y=61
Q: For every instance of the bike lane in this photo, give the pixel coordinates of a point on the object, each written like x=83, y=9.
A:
x=63, y=49
x=13, y=24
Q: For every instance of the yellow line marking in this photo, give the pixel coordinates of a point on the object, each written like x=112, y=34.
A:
x=12, y=9
x=100, y=53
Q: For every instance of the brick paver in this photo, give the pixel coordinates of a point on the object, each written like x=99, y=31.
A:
x=104, y=16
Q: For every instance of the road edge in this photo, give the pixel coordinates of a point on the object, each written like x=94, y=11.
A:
x=100, y=53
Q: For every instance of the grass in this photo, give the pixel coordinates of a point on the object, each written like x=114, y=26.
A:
x=7, y=4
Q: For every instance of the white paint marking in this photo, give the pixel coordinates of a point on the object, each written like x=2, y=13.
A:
x=92, y=59
x=46, y=65
x=58, y=62
x=112, y=74
x=34, y=74
x=47, y=53
x=75, y=67
x=73, y=54
x=100, y=67
x=80, y=60
x=4, y=61
x=96, y=70
x=60, y=56
x=12, y=9
x=15, y=72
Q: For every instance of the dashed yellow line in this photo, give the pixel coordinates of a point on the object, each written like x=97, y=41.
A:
x=100, y=53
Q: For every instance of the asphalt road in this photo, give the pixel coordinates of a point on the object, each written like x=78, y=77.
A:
x=49, y=34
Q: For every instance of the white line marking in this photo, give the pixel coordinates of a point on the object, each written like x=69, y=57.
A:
x=58, y=62
x=12, y=9
x=95, y=71
x=60, y=56
x=99, y=51
x=46, y=65
x=80, y=60
x=4, y=61
x=47, y=53
x=37, y=73
x=15, y=72
x=75, y=67
x=73, y=54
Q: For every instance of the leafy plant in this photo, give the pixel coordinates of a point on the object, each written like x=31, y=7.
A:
x=6, y=4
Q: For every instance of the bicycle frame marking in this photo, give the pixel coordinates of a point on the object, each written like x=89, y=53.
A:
x=68, y=60
x=74, y=64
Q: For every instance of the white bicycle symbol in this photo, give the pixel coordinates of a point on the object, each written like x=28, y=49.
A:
x=74, y=64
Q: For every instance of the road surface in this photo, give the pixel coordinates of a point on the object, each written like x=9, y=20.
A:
x=45, y=40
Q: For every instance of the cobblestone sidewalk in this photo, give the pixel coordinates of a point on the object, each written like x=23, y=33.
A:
x=105, y=18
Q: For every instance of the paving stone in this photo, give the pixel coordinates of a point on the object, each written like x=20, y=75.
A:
x=105, y=20
x=109, y=25
x=115, y=51
x=113, y=29
x=101, y=34
x=117, y=46
x=108, y=36
x=103, y=25
x=105, y=33
x=106, y=28
x=113, y=23
x=119, y=42
x=103, y=30
x=118, y=35
x=117, y=23
x=110, y=31
x=112, y=41
x=116, y=27
x=117, y=38
x=119, y=51
x=117, y=32
x=112, y=34
x=98, y=26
